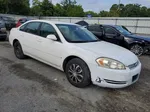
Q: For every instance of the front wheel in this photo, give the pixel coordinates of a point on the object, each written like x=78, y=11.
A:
x=78, y=73
x=137, y=49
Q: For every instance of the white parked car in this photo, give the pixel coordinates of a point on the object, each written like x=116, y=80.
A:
x=77, y=52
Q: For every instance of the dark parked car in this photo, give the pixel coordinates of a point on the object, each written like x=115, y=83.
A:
x=82, y=23
x=3, y=33
x=121, y=36
x=21, y=21
x=8, y=21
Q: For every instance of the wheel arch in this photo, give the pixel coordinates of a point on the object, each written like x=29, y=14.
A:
x=67, y=59
x=15, y=40
x=139, y=43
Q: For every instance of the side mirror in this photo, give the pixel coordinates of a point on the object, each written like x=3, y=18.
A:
x=51, y=37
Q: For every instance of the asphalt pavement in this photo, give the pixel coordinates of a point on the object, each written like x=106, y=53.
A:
x=31, y=86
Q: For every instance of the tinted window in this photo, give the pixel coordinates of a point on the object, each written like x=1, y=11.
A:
x=123, y=30
x=32, y=28
x=91, y=28
x=95, y=28
x=98, y=29
x=22, y=28
x=109, y=30
x=47, y=29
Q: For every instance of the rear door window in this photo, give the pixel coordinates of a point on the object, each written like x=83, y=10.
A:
x=33, y=28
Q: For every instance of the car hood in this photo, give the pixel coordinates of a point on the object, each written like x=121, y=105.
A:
x=139, y=37
x=105, y=49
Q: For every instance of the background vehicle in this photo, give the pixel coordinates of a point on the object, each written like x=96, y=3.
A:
x=21, y=21
x=82, y=23
x=77, y=52
x=121, y=36
x=3, y=32
x=8, y=21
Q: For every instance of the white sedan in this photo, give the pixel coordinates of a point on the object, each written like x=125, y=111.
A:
x=77, y=52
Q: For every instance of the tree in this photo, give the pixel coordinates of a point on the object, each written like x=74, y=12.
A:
x=93, y=14
x=36, y=2
x=47, y=8
x=3, y=6
x=131, y=10
x=116, y=10
x=66, y=3
x=144, y=12
x=15, y=6
x=75, y=11
x=36, y=8
x=104, y=13
x=59, y=10
x=72, y=9
x=18, y=7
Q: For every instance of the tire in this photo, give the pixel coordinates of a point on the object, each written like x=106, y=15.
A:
x=18, y=50
x=137, y=49
x=78, y=73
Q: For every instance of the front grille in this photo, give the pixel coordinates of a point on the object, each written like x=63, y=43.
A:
x=132, y=66
x=115, y=82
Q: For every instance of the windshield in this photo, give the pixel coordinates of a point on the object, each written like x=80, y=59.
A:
x=76, y=34
x=122, y=30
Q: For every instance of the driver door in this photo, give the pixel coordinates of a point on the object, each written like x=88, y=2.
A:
x=51, y=51
x=111, y=35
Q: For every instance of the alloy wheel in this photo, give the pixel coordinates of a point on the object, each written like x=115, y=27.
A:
x=137, y=50
x=75, y=73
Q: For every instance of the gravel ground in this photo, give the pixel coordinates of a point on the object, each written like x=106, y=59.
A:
x=31, y=86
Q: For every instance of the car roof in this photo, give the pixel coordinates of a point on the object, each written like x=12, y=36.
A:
x=25, y=18
x=52, y=22
x=104, y=25
x=5, y=16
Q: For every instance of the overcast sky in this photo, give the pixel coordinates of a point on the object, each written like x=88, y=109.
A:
x=98, y=5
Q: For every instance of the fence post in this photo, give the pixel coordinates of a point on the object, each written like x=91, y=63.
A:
x=116, y=21
x=98, y=20
x=83, y=18
x=136, y=26
x=70, y=20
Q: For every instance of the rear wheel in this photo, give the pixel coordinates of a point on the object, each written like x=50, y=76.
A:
x=78, y=73
x=18, y=50
x=137, y=49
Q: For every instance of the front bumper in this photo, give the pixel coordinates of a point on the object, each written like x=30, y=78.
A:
x=110, y=78
x=3, y=36
x=147, y=49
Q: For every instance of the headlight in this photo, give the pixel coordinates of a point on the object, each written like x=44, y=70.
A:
x=110, y=63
